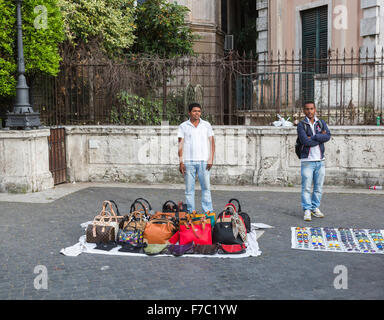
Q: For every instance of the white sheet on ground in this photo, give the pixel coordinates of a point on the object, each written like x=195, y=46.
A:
x=253, y=249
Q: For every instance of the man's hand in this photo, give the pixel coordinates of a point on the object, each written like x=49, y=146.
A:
x=182, y=168
x=209, y=165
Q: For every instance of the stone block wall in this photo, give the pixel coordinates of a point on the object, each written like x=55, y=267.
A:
x=244, y=155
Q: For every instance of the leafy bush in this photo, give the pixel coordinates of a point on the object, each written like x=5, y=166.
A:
x=111, y=22
x=162, y=30
x=40, y=44
x=135, y=110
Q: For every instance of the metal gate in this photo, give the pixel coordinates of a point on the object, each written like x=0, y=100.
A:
x=57, y=160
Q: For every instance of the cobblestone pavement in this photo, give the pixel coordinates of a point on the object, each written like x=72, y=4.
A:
x=33, y=234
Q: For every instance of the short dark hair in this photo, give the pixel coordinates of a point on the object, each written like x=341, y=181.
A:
x=309, y=102
x=193, y=105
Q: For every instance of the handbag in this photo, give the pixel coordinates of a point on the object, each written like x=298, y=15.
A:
x=232, y=248
x=179, y=250
x=154, y=249
x=100, y=232
x=205, y=249
x=136, y=220
x=113, y=219
x=142, y=205
x=209, y=215
x=197, y=233
x=160, y=228
x=132, y=237
x=171, y=207
x=229, y=228
x=244, y=215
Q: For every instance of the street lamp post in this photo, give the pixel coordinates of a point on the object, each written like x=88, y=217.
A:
x=22, y=115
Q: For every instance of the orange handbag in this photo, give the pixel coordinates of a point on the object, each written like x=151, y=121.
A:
x=160, y=228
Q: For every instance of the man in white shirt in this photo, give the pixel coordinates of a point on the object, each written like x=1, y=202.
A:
x=196, y=154
x=313, y=133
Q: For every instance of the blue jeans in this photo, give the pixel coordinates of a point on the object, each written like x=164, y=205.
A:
x=199, y=167
x=312, y=172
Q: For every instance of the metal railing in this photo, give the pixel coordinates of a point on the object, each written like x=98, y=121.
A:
x=233, y=90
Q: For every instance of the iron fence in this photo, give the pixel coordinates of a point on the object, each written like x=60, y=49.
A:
x=233, y=90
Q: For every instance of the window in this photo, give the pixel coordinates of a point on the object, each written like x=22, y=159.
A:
x=314, y=47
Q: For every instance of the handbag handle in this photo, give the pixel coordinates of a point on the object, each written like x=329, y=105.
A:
x=162, y=214
x=144, y=208
x=238, y=204
x=175, y=207
x=231, y=206
x=103, y=211
x=111, y=213
x=220, y=216
x=117, y=208
x=146, y=201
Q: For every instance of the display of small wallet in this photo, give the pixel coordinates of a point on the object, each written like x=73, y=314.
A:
x=206, y=249
x=105, y=246
x=132, y=249
x=178, y=250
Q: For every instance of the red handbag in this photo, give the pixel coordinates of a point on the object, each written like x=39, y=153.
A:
x=197, y=233
x=232, y=248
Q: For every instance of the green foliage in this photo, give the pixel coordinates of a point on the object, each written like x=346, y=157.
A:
x=161, y=29
x=109, y=21
x=40, y=44
x=135, y=110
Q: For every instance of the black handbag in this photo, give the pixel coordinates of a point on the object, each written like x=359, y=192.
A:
x=244, y=215
x=229, y=228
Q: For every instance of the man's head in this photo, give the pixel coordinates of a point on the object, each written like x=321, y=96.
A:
x=309, y=109
x=194, y=111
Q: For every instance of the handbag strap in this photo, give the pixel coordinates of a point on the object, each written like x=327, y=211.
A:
x=238, y=204
x=168, y=215
x=147, y=209
x=111, y=212
x=117, y=208
x=230, y=207
x=146, y=201
x=175, y=208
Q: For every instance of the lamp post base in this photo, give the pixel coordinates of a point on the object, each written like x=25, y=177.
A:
x=25, y=121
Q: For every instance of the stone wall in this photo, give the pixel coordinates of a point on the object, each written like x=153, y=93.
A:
x=244, y=155
x=24, y=161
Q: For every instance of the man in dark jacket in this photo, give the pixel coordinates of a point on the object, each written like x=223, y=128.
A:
x=313, y=133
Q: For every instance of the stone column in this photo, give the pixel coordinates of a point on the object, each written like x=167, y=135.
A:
x=24, y=161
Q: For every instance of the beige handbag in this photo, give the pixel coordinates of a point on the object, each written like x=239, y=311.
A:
x=110, y=218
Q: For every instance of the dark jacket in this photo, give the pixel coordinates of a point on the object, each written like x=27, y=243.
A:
x=317, y=139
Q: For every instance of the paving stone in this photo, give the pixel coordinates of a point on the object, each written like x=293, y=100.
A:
x=35, y=233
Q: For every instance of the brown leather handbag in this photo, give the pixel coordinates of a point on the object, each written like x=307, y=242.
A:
x=100, y=231
x=160, y=228
x=134, y=221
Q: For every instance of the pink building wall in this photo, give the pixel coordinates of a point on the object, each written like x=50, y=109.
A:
x=285, y=24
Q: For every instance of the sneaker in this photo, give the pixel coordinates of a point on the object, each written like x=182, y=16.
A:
x=317, y=213
x=307, y=215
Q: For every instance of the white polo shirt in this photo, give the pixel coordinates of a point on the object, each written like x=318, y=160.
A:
x=196, y=143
